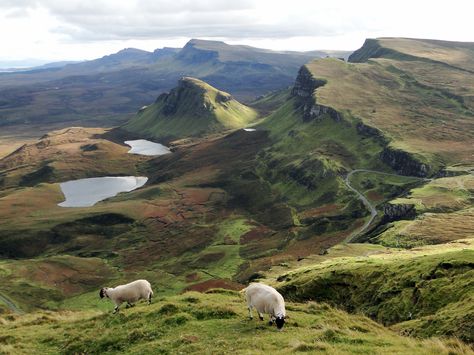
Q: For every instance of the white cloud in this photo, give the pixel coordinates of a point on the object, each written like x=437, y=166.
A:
x=75, y=29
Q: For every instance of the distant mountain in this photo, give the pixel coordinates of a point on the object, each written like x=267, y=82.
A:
x=21, y=64
x=34, y=67
x=193, y=108
x=108, y=90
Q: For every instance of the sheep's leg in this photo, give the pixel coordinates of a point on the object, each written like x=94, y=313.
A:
x=250, y=312
x=149, y=298
x=260, y=315
x=270, y=322
x=130, y=305
x=116, y=309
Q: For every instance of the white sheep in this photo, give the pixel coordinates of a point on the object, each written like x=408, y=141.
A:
x=130, y=293
x=266, y=300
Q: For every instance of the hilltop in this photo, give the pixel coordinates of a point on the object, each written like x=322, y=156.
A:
x=215, y=322
x=193, y=108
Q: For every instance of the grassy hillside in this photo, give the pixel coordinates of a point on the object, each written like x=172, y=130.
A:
x=431, y=284
x=193, y=108
x=65, y=154
x=444, y=210
x=408, y=90
x=215, y=322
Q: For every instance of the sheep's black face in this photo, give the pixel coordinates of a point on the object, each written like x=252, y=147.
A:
x=102, y=293
x=280, y=321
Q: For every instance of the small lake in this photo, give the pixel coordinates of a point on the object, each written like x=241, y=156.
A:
x=144, y=147
x=87, y=192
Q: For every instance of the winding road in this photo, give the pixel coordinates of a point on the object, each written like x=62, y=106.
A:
x=366, y=202
x=10, y=305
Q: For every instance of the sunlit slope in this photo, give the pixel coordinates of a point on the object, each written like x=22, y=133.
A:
x=70, y=153
x=216, y=322
x=445, y=213
x=193, y=108
x=419, y=94
x=432, y=285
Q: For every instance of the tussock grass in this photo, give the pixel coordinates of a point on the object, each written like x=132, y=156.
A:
x=427, y=283
x=216, y=324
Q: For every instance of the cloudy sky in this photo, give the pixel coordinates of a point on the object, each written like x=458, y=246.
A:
x=86, y=29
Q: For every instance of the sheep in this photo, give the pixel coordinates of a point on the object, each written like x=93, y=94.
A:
x=266, y=299
x=130, y=293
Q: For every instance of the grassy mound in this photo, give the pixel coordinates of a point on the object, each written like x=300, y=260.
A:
x=193, y=108
x=215, y=322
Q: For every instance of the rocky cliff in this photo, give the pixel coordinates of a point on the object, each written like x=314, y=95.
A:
x=395, y=212
x=304, y=88
x=404, y=163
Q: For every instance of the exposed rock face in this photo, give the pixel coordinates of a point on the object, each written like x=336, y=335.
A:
x=401, y=161
x=305, y=83
x=372, y=132
x=186, y=91
x=304, y=87
x=449, y=173
x=395, y=212
x=404, y=163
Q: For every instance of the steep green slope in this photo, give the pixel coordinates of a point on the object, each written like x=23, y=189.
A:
x=193, y=108
x=432, y=284
x=215, y=323
x=444, y=212
x=307, y=160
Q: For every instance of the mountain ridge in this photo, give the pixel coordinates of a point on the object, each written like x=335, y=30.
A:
x=387, y=82
x=108, y=90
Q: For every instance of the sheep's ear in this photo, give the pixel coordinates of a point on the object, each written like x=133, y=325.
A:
x=102, y=293
x=286, y=317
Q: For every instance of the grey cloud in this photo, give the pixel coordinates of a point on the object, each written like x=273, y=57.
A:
x=94, y=20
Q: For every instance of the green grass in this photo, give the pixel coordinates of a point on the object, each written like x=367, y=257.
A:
x=395, y=287
x=307, y=160
x=380, y=188
x=208, y=323
x=46, y=282
x=444, y=208
x=442, y=195
x=227, y=241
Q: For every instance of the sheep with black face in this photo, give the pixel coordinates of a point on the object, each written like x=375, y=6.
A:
x=266, y=300
x=130, y=293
